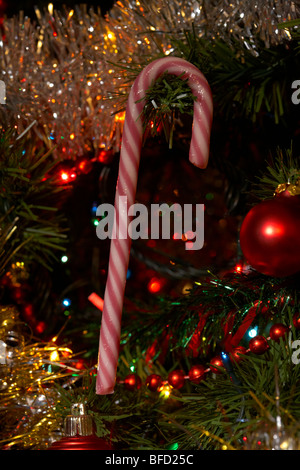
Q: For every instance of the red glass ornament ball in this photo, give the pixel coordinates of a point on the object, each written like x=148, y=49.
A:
x=197, y=374
x=296, y=321
x=133, y=382
x=153, y=382
x=269, y=236
x=258, y=345
x=277, y=331
x=81, y=443
x=176, y=379
x=238, y=353
x=216, y=361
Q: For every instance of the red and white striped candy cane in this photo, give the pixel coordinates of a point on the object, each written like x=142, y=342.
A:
x=126, y=186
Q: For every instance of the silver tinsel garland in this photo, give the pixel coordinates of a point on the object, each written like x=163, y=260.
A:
x=60, y=71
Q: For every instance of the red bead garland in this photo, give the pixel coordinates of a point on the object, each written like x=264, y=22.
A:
x=176, y=379
x=296, y=321
x=216, y=361
x=237, y=353
x=277, y=331
x=133, y=382
x=197, y=374
x=153, y=382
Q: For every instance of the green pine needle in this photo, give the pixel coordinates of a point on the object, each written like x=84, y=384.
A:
x=31, y=226
x=283, y=169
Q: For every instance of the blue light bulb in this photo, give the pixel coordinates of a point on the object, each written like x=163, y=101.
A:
x=66, y=302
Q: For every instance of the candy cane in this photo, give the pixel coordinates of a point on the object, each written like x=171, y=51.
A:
x=126, y=186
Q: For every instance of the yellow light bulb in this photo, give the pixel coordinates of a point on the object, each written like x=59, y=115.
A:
x=165, y=390
x=54, y=356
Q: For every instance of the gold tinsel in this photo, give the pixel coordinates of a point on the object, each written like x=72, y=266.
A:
x=293, y=189
x=29, y=374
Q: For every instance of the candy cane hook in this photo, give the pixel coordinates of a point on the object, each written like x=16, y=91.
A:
x=126, y=186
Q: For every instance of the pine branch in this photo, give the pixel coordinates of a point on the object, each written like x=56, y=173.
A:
x=168, y=97
x=31, y=225
x=254, y=82
x=215, y=301
x=283, y=170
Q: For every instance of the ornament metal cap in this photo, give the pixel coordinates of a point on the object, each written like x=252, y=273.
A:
x=78, y=423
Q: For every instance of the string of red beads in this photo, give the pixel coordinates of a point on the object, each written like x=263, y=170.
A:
x=176, y=379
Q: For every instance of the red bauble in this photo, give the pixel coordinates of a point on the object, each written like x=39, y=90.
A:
x=296, y=321
x=197, y=374
x=237, y=353
x=269, y=236
x=176, y=379
x=132, y=382
x=153, y=381
x=277, y=331
x=216, y=361
x=81, y=443
x=258, y=345
x=79, y=433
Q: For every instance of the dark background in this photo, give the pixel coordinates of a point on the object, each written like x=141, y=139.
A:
x=12, y=7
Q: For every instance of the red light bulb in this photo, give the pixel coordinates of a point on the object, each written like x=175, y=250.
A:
x=155, y=285
x=132, y=382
